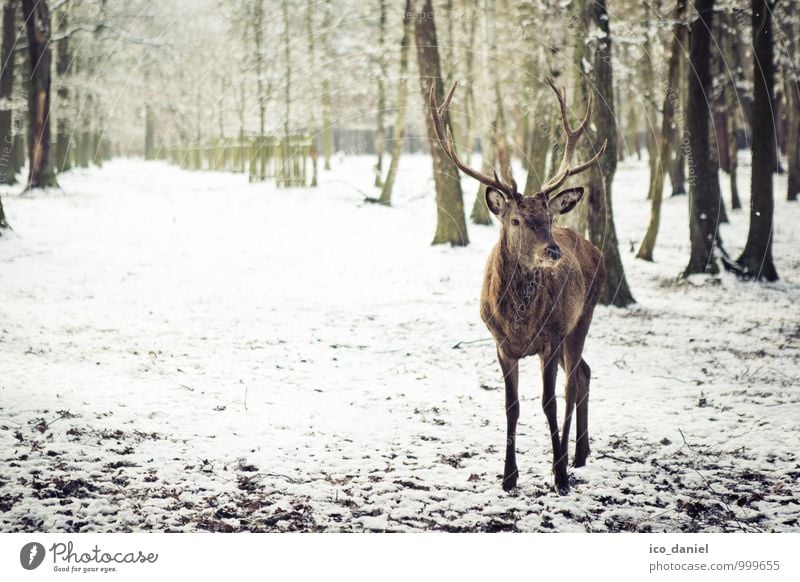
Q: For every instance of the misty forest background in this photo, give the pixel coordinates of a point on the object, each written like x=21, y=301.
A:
x=275, y=89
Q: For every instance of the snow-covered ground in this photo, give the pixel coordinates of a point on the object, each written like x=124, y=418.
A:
x=186, y=351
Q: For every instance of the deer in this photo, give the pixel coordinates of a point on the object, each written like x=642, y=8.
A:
x=540, y=288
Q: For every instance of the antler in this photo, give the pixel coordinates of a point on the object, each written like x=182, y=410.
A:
x=446, y=141
x=564, y=170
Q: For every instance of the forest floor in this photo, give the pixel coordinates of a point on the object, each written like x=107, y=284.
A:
x=186, y=351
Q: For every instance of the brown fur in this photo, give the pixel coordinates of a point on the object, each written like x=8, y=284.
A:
x=534, y=304
x=530, y=311
x=539, y=291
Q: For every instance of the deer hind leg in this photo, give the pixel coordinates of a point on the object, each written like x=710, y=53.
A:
x=511, y=378
x=571, y=391
x=577, y=394
x=582, y=438
x=549, y=372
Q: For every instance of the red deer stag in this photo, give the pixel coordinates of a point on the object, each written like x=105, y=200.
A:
x=539, y=291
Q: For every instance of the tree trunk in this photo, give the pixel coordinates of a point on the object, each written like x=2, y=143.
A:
x=731, y=107
x=491, y=114
x=540, y=130
x=702, y=172
x=792, y=83
x=288, y=176
x=602, y=231
x=312, y=56
x=3, y=223
x=793, y=141
x=653, y=140
x=63, y=130
x=733, y=148
x=8, y=167
x=756, y=259
x=578, y=218
x=735, y=102
x=470, y=28
x=398, y=139
x=327, y=127
x=451, y=226
x=678, y=139
x=380, y=133
x=671, y=101
x=37, y=20
x=149, y=132
x=713, y=155
x=258, y=38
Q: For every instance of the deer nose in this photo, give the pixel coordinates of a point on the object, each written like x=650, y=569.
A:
x=553, y=252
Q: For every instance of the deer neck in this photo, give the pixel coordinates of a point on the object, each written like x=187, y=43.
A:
x=522, y=286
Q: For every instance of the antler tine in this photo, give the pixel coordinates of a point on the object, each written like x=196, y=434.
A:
x=584, y=124
x=564, y=170
x=445, y=137
x=446, y=105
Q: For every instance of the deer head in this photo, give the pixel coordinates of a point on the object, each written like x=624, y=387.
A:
x=526, y=221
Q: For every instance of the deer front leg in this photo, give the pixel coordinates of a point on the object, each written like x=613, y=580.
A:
x=549, y=371
x=511, y=378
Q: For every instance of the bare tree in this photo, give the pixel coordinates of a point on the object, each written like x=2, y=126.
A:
x=703, y=208
x=380, y=132
x=756, y=260
x=8, y=169
x=37, y=21
x=398, y=139
x=312, y=57
x=791, y=79
x=450, y=224
x=663, y=149
x=602, y=231
x=63, y=131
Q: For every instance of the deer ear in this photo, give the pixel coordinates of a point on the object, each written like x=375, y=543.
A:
x=566, y=200
x=495, y=201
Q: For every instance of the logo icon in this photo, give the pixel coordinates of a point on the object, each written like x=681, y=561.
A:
x=31, y=555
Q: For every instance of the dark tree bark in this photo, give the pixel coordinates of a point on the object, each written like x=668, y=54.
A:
x=793, y=142
x=792, y=83
x=8, y=167
x=756, y=261
x=703, y=179
x=37, y=22
x=602, y=231
x=451, y=227
x=63, y=131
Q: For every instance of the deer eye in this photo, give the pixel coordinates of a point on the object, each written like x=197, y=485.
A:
x=515, y=222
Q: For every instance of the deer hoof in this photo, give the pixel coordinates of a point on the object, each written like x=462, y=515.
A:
x=510, y=481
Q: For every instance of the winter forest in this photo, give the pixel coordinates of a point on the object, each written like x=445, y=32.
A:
x=349, y=266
